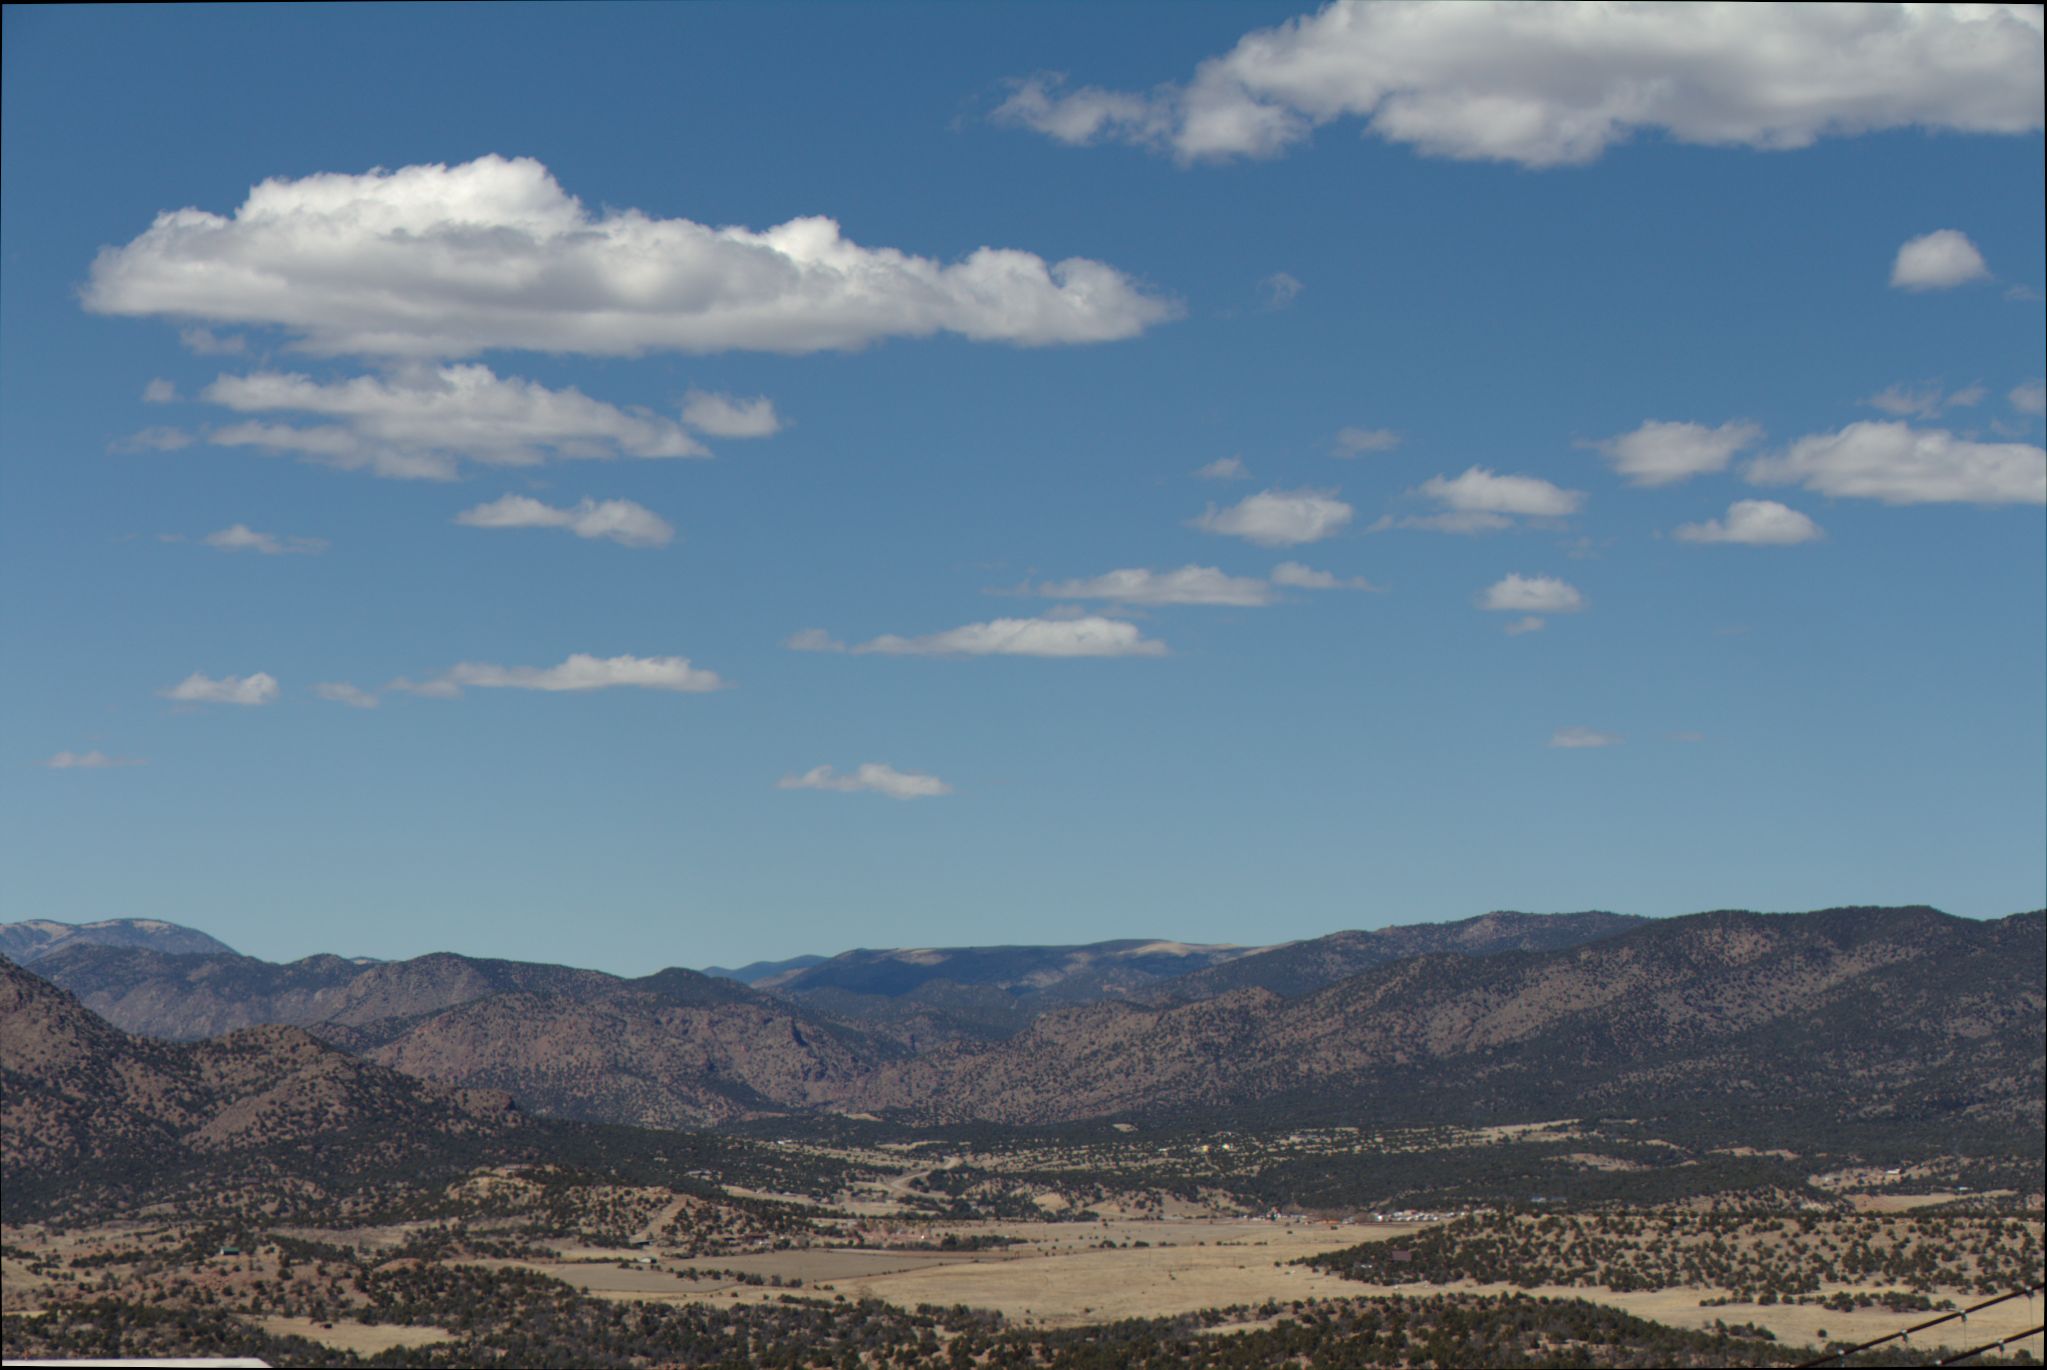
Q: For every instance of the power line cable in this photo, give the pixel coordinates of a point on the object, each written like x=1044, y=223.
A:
x=1988, y=1346
x=1963, y=1313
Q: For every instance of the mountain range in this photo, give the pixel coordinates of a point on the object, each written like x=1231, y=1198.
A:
x=1859, y=1013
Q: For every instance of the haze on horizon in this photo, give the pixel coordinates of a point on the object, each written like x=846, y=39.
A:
x=629, y=486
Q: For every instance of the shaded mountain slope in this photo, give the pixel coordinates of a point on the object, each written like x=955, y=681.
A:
x=185, y=997
x=636, y=1056
x=1861, y=1007
x=1296, y=968
x=753, y=972
x=1069, y=973
x=85, y=1106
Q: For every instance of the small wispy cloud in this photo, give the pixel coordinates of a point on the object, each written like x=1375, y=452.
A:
x=1279, y=290
x=240, y=537
x=1050, y=635
x=1575, y=738
x=259, y=688
x=1357, y=442
x=89, y=761
x=1296, y=576
x=615, y=520
x=731, y=416
x=341, y=692
x=1187, y=585
x=1224, y=468
x=579, y=672
x=1925, y=400
x=205, y=342
x=873, y=777
x=157, y=439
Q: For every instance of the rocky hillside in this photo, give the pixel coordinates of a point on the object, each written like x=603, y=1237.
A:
x=635, y=1055
x=672, y=1049
x=27, y=942
x=1869, y=1012
x=84, y=1105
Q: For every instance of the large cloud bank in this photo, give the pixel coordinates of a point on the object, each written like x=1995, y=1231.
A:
x=1556, y=84
x=446, y=261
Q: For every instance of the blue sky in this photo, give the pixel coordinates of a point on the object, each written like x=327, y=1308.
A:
x=481, y=537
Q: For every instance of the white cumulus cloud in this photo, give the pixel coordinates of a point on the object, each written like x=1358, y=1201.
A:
x=1756, y=522
x=1224, y=468
x=579, y=672
x=420, y=422
x=1582, y=737
x=1660, y=453
x=1279, y=518
x=873, y=777
x=260, y=688
x=1559, y=83
x=730, y=416
x=1482, y=501
x=1519, y=594
x=2029, y=398
x=239, y=537
x=1047, y=636
x=89, y=761
x=1939, y=260
x=447, y=261
x=1188, y=585
x=1900, y=464
x=619, y=520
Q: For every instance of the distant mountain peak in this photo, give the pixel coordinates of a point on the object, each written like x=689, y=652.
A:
x=32, y=939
